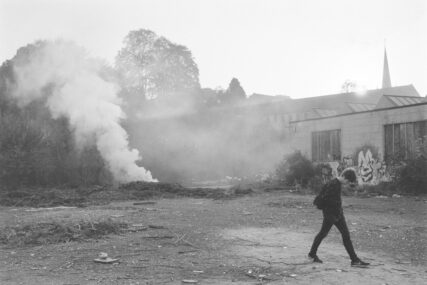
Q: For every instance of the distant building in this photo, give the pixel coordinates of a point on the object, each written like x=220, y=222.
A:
x=365, y=132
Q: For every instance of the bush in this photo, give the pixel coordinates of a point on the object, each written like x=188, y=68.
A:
x=412, y=177
x=36, y=150
x=295, y=169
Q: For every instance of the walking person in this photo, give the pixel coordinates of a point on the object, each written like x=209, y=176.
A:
x=329, y=201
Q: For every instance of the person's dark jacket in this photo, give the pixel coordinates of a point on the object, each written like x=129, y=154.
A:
x=330, y=198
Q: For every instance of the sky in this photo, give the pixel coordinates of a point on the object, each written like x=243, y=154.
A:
x=299, y=48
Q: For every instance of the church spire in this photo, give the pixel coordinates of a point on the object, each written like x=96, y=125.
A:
x=386, y=72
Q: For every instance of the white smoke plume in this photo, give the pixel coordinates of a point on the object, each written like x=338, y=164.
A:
x=80, y=94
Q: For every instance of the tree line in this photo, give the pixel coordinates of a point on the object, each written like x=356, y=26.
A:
x=151, y=71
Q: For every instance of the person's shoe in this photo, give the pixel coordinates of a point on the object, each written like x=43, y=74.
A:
x=315, y=258
x=359, y=263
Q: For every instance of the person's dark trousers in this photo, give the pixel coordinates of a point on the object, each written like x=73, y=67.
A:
x=339, y=221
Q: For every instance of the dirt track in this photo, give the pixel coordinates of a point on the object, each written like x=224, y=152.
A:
x=257, y=239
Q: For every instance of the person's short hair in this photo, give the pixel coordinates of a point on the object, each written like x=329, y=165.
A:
x=350, y=175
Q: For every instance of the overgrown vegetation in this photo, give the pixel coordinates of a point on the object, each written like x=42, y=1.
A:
x=409, y=177
x=412, y=177
x=295, y=169
x=56, y=232
x=94, y=195
x=35, y=149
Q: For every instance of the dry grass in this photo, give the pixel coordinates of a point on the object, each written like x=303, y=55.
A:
x=95, y=195
x=58, y=232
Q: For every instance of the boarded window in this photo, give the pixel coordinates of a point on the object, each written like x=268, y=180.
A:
x=326, y=145
x=400, y=139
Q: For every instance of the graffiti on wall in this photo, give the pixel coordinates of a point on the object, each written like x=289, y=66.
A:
x=366, y=165
x=370, y=168
x=366, y=162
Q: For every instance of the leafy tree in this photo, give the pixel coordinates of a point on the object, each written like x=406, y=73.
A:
x=211, y=97
x=235, y=92
x=151, y=66
x=348, y=86
x=36, y=150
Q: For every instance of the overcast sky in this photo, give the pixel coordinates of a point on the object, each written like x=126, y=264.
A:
x=292, y=47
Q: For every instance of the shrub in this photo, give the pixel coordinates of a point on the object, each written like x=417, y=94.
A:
x=412, y=177
x=295, y=169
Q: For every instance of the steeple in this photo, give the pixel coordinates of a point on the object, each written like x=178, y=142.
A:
x=386, y=72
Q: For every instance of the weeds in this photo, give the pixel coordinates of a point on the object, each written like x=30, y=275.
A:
x=84, y=196
x=55, y=232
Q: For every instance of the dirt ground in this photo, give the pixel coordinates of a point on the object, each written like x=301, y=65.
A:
x=258, y=239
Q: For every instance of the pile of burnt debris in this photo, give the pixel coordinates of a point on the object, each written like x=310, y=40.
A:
x=93, y=195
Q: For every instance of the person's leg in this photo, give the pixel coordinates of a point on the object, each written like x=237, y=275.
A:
x=342, y=227
x=326, y=226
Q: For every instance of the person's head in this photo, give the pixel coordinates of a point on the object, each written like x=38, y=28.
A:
x=349, y=177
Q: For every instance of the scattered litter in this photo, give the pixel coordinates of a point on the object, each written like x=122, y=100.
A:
x=381, y=197
x=137, y=228
x=38, y=268
x=190, y=281
x=103, y=255
x=103, y=258
x=47, y=209
x=293, y=275
x=144, y=203
x=247, y=213
x=250, y=274
x=107, y=260
x=117, y=216
x=338, y=270
x=396, y=196
x=398, y=269
x=156, y=227
x=187, y=251
x=198, y=271
x=403, y=262
x=159, y=237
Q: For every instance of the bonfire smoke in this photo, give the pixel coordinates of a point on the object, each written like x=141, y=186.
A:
x=88, y=101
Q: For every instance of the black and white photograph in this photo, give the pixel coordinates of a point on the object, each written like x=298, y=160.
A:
x=229, y=142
